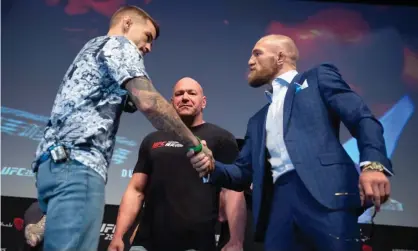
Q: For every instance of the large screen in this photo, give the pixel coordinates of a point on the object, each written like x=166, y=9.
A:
x=375, y=48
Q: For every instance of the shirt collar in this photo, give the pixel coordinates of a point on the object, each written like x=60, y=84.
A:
x=287, y=76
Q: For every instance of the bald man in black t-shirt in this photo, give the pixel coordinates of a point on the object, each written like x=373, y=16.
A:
x=180, y=211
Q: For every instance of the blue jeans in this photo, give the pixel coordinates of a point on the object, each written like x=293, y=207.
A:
x=72, y=197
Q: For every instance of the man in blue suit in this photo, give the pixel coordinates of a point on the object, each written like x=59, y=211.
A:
x=307, y=192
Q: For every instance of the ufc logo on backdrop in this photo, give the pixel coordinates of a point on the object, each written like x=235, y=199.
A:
x=107, y=230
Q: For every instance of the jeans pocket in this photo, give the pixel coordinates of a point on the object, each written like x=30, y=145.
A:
x=57, y=167
x=59, y=171
x=66, y=166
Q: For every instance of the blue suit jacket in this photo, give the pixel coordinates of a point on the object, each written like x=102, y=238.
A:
x=311, y=125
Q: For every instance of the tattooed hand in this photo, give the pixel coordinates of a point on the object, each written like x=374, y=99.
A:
x=34, y=233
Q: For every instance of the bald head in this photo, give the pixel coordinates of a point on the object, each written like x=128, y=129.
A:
x=281, y=43
x=190, y=82
x=272, y=56
x=188, y=99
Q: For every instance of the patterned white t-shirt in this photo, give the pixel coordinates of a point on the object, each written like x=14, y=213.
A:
x=86, y=112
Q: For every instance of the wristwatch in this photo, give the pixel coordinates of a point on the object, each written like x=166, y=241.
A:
x=373, y=166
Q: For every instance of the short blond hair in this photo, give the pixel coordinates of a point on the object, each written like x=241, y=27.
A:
x=136, y=11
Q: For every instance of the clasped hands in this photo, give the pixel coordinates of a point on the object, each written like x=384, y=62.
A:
x=203, y=162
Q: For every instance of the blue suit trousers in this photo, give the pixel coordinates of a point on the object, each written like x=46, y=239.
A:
x=298, y=222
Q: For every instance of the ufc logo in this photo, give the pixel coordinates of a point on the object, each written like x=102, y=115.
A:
x=107, y=227
x=158, y=144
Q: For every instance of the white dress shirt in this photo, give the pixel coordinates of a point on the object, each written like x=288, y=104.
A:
x=279, y=160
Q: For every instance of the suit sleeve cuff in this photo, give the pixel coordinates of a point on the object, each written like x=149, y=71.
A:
x=368, y=162
x=216, y=176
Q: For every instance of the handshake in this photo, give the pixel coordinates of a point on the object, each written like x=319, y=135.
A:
x=203, y=161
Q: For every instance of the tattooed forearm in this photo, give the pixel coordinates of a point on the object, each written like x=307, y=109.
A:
x=140, y=84
x=158, y=111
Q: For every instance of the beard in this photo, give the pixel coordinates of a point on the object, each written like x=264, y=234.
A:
x=260, y=78
x=264, y=74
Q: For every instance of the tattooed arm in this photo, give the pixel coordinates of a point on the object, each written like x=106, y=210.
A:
x=34, y=233
x=125, y=64
x=158, y=111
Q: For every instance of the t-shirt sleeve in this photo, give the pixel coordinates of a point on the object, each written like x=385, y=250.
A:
x=226, y=149
x=33, y=214
x=143, y=164
x=122, y=59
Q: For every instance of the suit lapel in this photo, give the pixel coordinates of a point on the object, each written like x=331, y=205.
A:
x=261, y=131
x=262, y=124
x=288, y=104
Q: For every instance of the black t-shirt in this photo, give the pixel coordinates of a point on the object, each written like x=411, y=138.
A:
x=180, y=211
